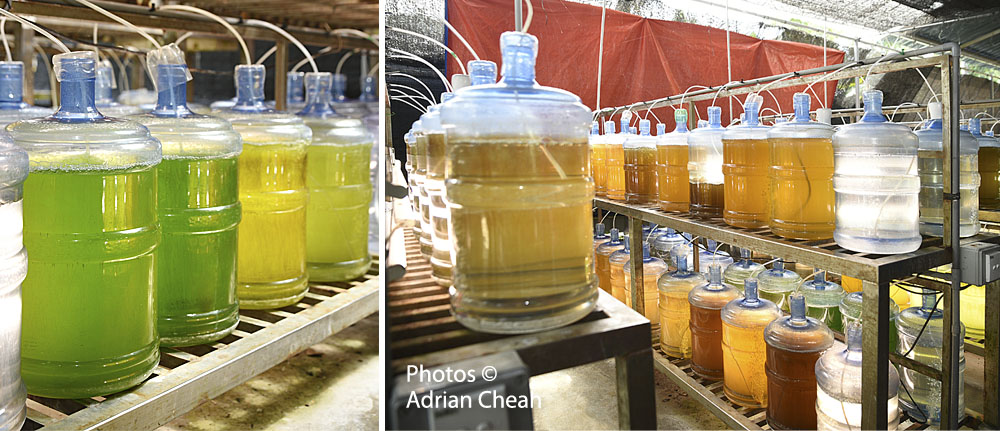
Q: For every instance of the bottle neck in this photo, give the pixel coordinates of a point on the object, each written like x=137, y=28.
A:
x=77, y=101
x=171, y=100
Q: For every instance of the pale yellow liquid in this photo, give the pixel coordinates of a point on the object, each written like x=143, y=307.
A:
x=440, y=216
x=426, y=229
x=615, y=162
x=272, y=235
x=675, y=324
x=743, y=355
x=801, y=178
x=522, y=233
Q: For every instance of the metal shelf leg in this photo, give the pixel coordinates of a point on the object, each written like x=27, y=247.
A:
x=636, y=397
x=875, y=354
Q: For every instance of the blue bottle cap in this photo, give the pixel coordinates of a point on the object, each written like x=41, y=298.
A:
x=854, y=336
x=714, y=116
x=615, y=235
x=599, y=229
x=11, y=84
x=976, y=127
x=644, y=127
x=318, y=86
x=249, y=88
x=715, y=274
x=609, y=127
x=339, y=88
x=368, y=90
x=482, y=72
x=800, y=102
x=750, y=291
x=645, y=251
x=171, y=89
x=797, y=307
x=661, y=129
x=519, y=51
x=294, y=88
x=751, y=110
x=779, y=265
x=595, y=129
x=77, y=72
x=446, y=96
x=873, y=107
x=681, y=261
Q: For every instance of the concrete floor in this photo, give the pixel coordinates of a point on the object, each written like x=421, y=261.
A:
x=335, y=385
x=585, y=398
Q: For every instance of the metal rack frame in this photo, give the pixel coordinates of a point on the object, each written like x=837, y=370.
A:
x=423, y=331
x=189, y=376
x=875, y=271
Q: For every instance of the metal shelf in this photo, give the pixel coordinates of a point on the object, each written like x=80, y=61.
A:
x=423, y=331
x=876, y=271
x=824, y=254
x=188, y=376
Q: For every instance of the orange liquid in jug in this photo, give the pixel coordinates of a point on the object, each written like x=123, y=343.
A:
x=674, y=192
x=615, y=162
x=640, y=175
x=745, y=165
x=802, y=193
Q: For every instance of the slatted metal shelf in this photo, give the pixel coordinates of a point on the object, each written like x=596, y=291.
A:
x=710, y=394
x=188, y=376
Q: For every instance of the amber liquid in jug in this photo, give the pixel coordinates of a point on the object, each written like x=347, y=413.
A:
x=746, y=156
x=743, y=347
x=640, y=166
x=614, y=153
x=673, y=187
x=707, y=302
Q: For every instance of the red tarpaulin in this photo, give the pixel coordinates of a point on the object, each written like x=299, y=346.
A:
x=644, y=59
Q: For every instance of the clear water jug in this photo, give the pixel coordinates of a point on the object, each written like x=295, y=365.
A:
x=705, y=167
x=741, y=270
x=423, y=137
x=340, y=188
x=675, y=311
x=706, y=302
x=921, y=331
x=850, y=311
x=744, y=351
x=271, y=250
x=199, y=210
x=13, y=268
x=521, y=200
x=876, y=184
x=801, y=176
x=90, y=225
x=711, y=255
x=12, y=105
x=340, y=102
x=794, y=344
x=640, y=166
x=673, y=183
x=840, y=388
x=746, y=158
x=663, y=244
x=930, y=166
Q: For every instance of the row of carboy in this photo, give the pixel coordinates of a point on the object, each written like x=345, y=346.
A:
x=154, y=230
x=873, y=186
x=730, y=325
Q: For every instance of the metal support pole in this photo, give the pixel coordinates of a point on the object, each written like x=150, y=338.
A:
x=23, y=51
x=281, y=75
x=875, y=354
x=991, y=364
x=518, y=20
x=952, y=343
x=857, y=79
x=636, y=294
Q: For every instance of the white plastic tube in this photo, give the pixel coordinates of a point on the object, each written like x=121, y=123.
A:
x=121, y=21
x=3, y=34
x=62, y=47
x=216, y=18
x=288, y=36
x=436, y=42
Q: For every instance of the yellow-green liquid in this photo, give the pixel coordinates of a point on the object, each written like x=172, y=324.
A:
x=744, y=353
x=340, y=191
x=272, y=236
x=522, y=233
x=89, y=300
